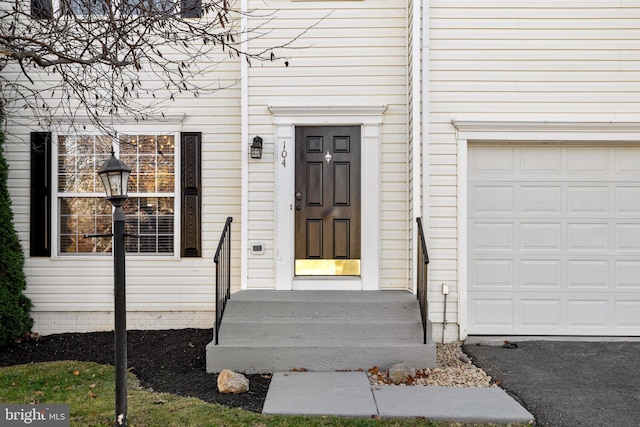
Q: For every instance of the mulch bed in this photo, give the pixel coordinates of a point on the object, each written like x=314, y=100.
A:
x=168, y=361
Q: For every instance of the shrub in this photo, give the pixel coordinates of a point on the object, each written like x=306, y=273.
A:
x=15, y=307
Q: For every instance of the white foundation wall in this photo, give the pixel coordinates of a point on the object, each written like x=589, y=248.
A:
x=539, y=60
x=55, y=322
x=345, y=53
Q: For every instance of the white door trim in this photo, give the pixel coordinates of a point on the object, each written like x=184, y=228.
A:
x=285, y=118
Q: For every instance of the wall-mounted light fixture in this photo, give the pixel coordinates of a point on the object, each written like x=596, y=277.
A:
x=256, y=148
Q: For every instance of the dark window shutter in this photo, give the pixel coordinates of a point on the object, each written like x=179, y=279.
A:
x=191, y=8
x=41, y=9
x=191, y=194
x=40, y=228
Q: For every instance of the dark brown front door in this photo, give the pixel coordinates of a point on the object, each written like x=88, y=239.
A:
x=327, y=224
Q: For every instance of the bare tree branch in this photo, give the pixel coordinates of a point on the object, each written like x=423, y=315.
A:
x=107, y=58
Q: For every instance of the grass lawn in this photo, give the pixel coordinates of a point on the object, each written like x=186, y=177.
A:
x=89, y=390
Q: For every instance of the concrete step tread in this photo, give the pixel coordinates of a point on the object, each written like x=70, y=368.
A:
x=244, y=319
x=323, y=296
x=297, y=342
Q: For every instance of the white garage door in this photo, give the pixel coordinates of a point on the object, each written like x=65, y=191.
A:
x=554, y=240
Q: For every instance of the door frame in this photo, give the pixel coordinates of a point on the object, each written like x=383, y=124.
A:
x=285, y=119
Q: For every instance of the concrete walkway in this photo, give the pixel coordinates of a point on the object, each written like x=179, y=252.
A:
x=349, y=394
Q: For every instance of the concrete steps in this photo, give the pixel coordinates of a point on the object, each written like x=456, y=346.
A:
x=267, y=331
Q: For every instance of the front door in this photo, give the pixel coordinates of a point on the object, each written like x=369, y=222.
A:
x=327, y=201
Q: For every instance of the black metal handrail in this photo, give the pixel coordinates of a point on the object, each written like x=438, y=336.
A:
x=423, y=278
x=222, y=259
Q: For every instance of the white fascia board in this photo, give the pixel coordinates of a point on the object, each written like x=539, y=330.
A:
x=332, y=115
x=513, y=131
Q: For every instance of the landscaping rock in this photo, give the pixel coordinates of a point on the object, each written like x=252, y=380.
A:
x=401, y=372
x=232, y=382
x=454, y=370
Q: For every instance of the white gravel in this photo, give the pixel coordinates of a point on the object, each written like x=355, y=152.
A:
x=454, y=369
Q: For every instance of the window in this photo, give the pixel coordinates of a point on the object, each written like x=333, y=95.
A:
x=83, y=209
x=135, y=7
x=191, y=8
x=43, y=9
x=150, y=208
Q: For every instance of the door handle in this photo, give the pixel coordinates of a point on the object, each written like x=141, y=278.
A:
x=298, y=198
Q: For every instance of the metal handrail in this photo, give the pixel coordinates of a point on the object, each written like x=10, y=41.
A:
x=423, y=278
x=222, y=259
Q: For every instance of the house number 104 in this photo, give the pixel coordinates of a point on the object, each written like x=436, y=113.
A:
x=283, y=154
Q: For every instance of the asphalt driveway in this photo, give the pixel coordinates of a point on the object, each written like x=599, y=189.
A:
x=568, y=383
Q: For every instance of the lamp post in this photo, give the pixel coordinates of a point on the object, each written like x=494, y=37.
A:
x=115, y=177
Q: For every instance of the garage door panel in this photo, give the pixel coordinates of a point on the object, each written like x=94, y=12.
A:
x=627, y=161
x=492, y=312
x=541, y=313
x=541, y=160
x=628, y=200
x=588, y=237
x=627, y=314
x=494, y=161
x=537, y=236
x=540, y=274
x=492, y=200
x=628, y=237
x=493, y=274
x=588, y=274
x=492, y=236
x=554, y=240
x=588, y=200
x=541, y=199
x=628, y=275
x=582, y=313
x=588, y=161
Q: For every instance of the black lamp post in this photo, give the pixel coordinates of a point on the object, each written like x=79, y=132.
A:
x=115, y=177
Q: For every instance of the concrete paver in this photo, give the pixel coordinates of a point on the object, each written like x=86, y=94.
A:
x=350, y=394
x=473, y=404
x=320, y=393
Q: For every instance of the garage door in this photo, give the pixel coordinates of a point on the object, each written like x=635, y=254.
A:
x=554, y=240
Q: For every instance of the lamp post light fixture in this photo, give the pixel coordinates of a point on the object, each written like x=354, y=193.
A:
x=115, y=177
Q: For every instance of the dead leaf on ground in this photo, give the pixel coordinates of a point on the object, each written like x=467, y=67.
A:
x=76, y=372
x=92, y=395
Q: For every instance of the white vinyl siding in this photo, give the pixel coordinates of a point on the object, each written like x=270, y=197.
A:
x=347, y=54
x=73, y=294
x=519, y=61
